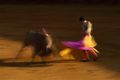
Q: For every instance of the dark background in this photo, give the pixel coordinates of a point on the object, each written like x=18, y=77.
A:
x=91, y=2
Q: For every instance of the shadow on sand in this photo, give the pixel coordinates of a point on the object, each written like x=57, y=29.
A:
x=3, y=63
x=13, y=63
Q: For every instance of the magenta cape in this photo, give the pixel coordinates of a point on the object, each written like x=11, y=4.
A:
x=76, y=45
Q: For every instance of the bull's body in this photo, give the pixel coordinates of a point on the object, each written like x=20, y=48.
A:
x=38, y=41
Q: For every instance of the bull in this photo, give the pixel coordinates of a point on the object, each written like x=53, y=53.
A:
x=42, y=43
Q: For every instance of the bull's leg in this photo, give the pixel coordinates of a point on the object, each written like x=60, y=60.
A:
x=33, y=57
x=34, y=54
x=18, y=54
x=46, y=54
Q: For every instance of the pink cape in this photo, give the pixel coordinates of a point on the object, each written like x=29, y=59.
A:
x=86, y=44
x=76, y=45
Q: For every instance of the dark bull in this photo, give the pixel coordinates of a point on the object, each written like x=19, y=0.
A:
x=39, y=42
